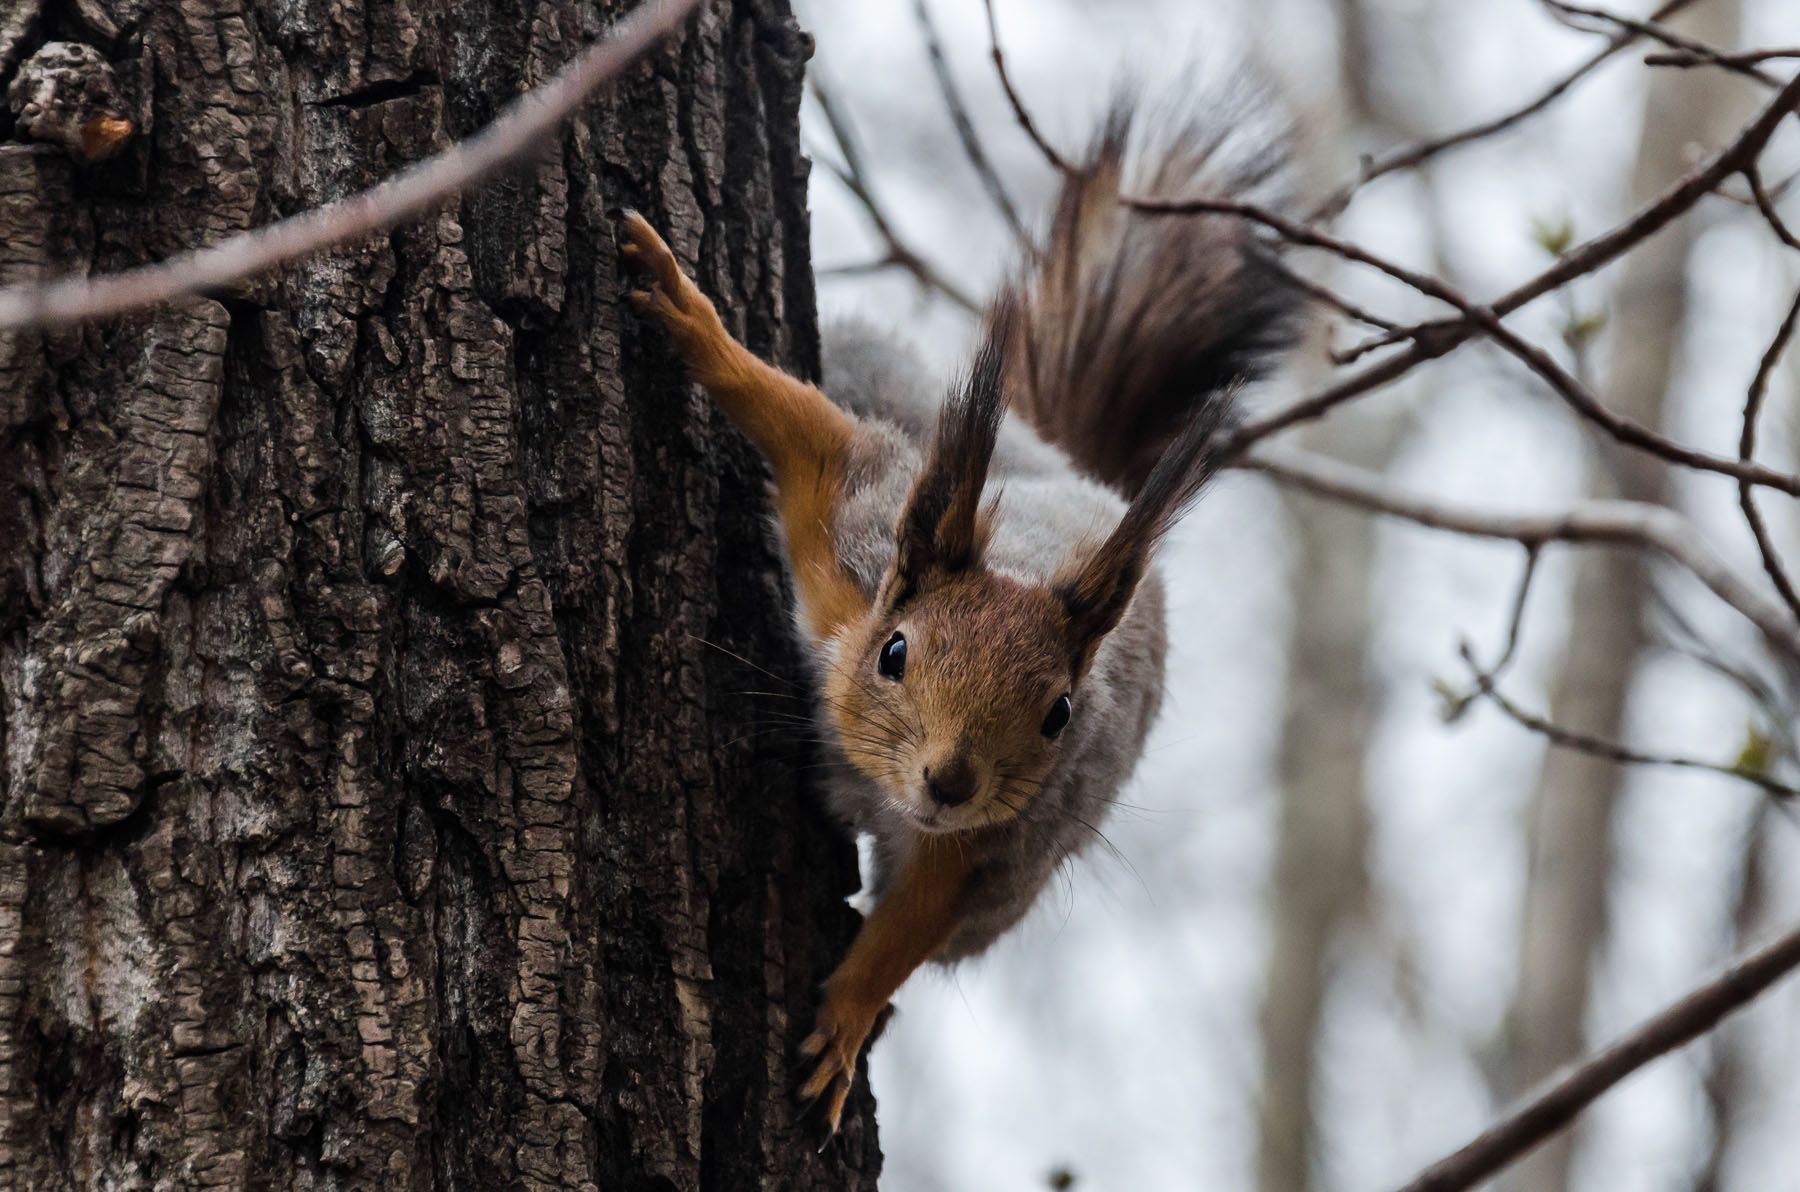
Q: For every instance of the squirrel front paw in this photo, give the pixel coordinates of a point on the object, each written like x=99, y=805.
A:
x=671, y=298
x=843, y=1025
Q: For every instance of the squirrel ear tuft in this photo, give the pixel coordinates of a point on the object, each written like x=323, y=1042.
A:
x=942, y=528
x=1096, y=591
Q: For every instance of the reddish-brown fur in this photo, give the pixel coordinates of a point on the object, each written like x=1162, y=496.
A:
x=987, y=656
x=798, y=430
x=911, y=922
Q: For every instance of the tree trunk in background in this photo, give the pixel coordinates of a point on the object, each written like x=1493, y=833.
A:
x=1564, y=922
x=1731, y=1080
x=1319, y=885
x=372, y=813
x=1319, y=882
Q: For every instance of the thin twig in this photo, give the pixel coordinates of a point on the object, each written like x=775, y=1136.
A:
x=1408, y=156
x=1515, y=627
x=1515, y=623
x=524, y=123
x=1679, y=637
x=1765, y=203
x=1753, y=401
x=965, y=127
x=1556, y=1104
x=856, y=268
x=1570, y=13
x=1686, y=58
x=854, y=176
x=1577, y=262
x=1564, y=383
x=1322, y=295
x=1635, y=524
x=1056, y=159
x=1387, y=339
x=1611, y=751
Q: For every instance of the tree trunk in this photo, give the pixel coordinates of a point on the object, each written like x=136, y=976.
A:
x=1319, y=888
x=1565, y=914
x=376, y=809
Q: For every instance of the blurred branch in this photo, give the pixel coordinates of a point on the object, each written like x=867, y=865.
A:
x=855, y=179
x=1730, y=1082
x=965, y=128
x=1573, y=14
x=1018, y=105
x=1680, y=636
x=1685, y=58
x=524, y=123
x=1408, y=156
x=1564, y=383
x=1634, y=524
x=1324, y=296
x=1485, y=678
x=1555, y=1106
x=1606, y=750
x=1765, y=203
x=1434, y=340
x=1753, y=402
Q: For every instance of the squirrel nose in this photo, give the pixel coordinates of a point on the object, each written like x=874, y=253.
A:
x=952, y=785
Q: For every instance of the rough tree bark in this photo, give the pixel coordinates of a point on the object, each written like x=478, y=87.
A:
x=374, y=811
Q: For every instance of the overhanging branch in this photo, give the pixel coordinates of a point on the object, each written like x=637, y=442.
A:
x=522, y=126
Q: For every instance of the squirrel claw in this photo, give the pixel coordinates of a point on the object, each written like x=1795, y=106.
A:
x=643, y=248
x=668, y=297
x=844, y=1025
x=838, y=1086
x=835, y=1114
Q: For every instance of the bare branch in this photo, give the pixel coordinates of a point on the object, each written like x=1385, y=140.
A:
x=1564, y=383
x=1635, y=524
x=1611, y=751
x=1765, y=203
x=1686, y=58
x=1018, y=105
x=856, y=268
x=1408, y=156
x=1759, y=387
x=522, y=126
x=965, y=128
x=1437, y=339
x=1486, y=677
x=855, y=178
x=1570, y=14
x=1324, y=296
x=1555, y=1105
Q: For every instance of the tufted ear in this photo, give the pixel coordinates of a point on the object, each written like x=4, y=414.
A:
x=1095, y=590
x=942, y=529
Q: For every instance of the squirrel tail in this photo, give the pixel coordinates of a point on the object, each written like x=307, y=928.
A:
x=1133, y=326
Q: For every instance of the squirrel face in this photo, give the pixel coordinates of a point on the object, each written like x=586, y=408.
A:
x=954, y=703
x=951, y=692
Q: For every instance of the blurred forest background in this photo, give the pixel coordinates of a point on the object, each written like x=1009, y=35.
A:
x=1339, y=928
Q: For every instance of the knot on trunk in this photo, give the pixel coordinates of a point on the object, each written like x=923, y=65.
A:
x=67, y=94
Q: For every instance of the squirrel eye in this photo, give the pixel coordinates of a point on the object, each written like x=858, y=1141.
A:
x=891, y=662
x=1057, y=719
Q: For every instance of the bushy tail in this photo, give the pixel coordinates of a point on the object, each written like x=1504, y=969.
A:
x=1132, y=324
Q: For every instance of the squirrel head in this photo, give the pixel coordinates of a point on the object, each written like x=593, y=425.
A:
x=955, y=692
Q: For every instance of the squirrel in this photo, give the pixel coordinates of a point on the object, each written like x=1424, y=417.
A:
x=988, y=667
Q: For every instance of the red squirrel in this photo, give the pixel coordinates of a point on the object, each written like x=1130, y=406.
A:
x=989, y=663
